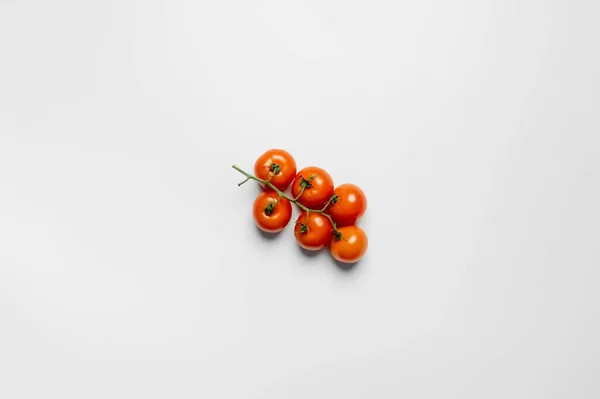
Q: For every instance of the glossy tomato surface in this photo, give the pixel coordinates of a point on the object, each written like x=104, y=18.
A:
x=351, y=246
x=269, y=215
x=313, y=232
x=277, y=165
x=314, y=185
x=348, y=205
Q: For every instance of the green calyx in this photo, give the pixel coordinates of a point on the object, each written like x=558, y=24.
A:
x=275, y=169
x=270, y=207
x=303, y=228
x=304, y=183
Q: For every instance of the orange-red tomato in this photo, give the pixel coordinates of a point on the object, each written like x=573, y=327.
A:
x=277, y=165
x=317, y=185
x=349, y=203
x=314, y=232
x=271, y=216
x=350, y=245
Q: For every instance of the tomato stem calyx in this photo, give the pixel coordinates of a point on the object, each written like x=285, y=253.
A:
x=269, y=208
x=276, y=169
x=306, y=183
x=303, y=228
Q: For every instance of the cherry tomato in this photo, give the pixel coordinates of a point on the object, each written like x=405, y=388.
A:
x=277, y=165
x=349, y=245
x=317, y=185
x=271, y=216
x=349, y=203
x=314, y=232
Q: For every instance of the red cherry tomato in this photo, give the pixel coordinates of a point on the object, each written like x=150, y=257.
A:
x=314, y=186
x=349, y=245
x=314, y=232
x=349, y=203
x=271, y=216
x=277, y=165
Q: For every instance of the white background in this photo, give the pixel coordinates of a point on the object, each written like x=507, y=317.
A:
x=129, y=263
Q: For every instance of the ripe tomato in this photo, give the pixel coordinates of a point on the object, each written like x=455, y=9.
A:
x=349, y=245
x=314, y=232
x=268, y=216
x=277, y=165
x=317, y=184
x=349, y=203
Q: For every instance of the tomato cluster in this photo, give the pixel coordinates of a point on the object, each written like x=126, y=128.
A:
x=328, y=214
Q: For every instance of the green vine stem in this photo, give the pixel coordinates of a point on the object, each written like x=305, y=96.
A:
x=287, y=197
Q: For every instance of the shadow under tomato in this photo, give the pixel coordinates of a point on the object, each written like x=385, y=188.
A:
x=268, y=236
x=307, y=253
x=345, y=267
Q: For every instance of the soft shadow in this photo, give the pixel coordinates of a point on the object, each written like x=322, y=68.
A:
x=307, y=253
x=345, y=267
x=268, y=236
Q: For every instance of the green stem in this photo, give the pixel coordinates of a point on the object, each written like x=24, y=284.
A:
x=327, y=204
x=247, y=178
x=299, y=194
x=331, y=220
x=284, y=195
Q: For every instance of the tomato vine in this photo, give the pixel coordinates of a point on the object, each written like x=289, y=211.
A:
x=281, y=194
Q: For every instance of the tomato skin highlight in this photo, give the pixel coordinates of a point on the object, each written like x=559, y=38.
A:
x=280, y=216
x=319, y=187
x=351, y=247
x=277, y=165
x=350, y=205
x=320, y=231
